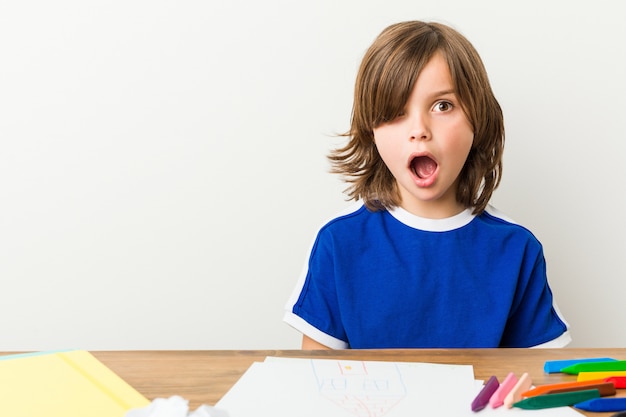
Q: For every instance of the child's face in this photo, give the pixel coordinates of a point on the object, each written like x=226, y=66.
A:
x=425, y=148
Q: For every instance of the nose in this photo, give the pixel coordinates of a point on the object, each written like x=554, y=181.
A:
x=419, y=128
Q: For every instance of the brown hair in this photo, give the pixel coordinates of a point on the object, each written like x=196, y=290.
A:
x=383, y=85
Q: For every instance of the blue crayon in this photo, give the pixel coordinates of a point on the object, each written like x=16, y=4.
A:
x=551, y=367
x=603, y=405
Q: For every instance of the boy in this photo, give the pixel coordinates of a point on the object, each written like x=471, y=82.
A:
x=422, y=260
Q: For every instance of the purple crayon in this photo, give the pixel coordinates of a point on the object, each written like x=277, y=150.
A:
x=482, y=399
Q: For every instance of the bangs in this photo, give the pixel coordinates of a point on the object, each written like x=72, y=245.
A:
x=390, y=70
x=394, y=89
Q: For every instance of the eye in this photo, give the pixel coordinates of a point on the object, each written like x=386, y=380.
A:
x=443, y=106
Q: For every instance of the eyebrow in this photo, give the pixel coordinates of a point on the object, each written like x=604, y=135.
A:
x=443, y=92
x=437, y=94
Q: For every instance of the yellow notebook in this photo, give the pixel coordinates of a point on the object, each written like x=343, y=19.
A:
x=63, y=384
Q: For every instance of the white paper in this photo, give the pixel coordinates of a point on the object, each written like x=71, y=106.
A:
x=287, y=387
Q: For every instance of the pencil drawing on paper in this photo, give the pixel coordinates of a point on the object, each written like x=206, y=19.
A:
x=362, y=389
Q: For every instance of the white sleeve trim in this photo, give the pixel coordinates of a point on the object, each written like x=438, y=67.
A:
x=295, y=294
x=314, y=333
x=560, y=342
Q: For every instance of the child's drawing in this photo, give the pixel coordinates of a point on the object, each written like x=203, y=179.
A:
x=363, y=389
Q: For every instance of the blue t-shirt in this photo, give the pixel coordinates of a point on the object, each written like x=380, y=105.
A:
x=389, y=279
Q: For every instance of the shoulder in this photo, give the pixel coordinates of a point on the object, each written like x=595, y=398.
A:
x=349, y=211
x=353, y=214
x=496, y=214
x=495, y=217
x=353, y=224
x=502, y=224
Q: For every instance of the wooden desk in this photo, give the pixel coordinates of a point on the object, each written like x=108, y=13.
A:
x=203, y=377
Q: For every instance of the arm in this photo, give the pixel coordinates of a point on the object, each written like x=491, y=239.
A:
x=535, y=317
x=310, y=344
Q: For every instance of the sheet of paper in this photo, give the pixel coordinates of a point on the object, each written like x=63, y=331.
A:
x=287, y=387
x=302, y=387
x=373, y=388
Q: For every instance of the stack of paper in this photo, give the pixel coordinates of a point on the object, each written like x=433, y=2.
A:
x=63, y=384
x=286, y=387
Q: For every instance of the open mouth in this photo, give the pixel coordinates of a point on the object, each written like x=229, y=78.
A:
x=423, y=166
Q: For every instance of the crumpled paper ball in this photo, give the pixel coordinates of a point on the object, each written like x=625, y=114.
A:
x=174, y=406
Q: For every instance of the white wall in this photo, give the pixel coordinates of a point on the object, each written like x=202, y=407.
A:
x=162, y=167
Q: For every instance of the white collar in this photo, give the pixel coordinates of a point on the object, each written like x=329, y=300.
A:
x=433, y=225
